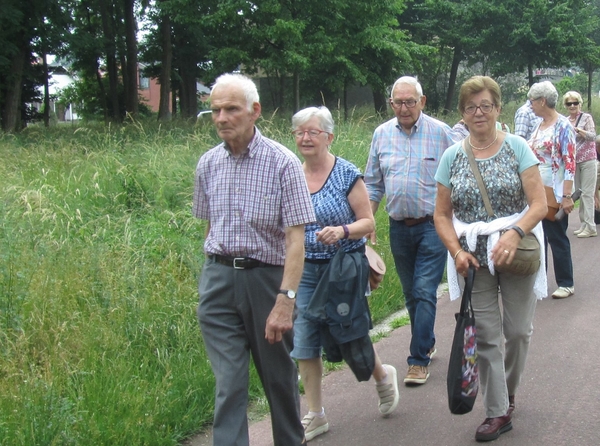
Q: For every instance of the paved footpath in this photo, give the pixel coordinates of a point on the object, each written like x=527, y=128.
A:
x=558, y=402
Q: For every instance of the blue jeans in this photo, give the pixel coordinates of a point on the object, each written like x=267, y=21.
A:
x=420, y=258
x=307, y=333
x=555, y=234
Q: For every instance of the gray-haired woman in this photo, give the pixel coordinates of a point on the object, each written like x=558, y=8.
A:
x=344, y=218
x=553, y=142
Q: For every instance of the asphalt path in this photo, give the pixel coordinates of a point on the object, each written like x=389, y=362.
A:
x=558, y=401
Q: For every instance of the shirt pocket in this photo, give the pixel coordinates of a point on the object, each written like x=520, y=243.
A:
x=428, y=167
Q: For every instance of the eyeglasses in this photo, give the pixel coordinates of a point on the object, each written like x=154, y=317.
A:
x=398, y=104
x=485, y=108
x=311, y=133
x=570, y=104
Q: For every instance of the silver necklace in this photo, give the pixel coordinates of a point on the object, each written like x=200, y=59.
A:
x=483, y=148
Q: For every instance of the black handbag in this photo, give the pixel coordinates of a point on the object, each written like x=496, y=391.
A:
x=463, y=373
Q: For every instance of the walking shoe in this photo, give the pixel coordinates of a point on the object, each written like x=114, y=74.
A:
x=580, y=230
x=417, y=374
x=432, y=352
x=314, y=425
x=388, y=392
x=511, y=405
x=491, y=428
x=563, y=292
x=587, y=232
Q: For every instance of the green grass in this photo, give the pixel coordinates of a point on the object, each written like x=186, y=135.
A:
x=99, y=261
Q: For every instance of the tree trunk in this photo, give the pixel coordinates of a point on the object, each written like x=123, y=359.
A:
x=12, y=98
x=46, y=92
x=456, y=58
x=131, y=99
x=164, y=112
x=111, y=61
x=102, y=93
x=380, y=100
x=530, y=74
x=188, y=99
x=590, y=73
x=345, y=99
x=296, y=91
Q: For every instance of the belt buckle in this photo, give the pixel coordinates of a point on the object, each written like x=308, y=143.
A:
x=240, y=259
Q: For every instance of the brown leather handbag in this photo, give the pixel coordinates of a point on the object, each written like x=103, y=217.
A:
x=553, y=205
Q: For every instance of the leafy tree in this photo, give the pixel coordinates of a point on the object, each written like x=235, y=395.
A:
x=27, y=28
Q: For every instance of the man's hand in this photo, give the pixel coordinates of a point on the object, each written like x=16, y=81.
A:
x=280, y=319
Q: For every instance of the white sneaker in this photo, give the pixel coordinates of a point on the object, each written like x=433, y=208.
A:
x=563, y=292
x=314, y=425
x=580, y=230
x=587, y=232
x=388, y=392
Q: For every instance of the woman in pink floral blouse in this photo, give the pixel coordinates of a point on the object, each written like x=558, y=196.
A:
x=585, y=174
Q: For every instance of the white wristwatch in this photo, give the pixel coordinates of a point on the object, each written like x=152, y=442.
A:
x=288, y=293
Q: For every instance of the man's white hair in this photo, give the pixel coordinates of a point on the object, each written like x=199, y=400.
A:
x=410, y=81
x=239, y=80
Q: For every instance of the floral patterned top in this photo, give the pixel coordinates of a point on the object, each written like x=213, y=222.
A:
x=554, y=147
x=501, y=175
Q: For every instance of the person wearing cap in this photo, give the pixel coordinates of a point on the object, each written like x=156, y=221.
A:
x=343, y=219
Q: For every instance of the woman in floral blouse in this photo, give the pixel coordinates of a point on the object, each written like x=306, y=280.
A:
x=512, y=181
x=553, y=142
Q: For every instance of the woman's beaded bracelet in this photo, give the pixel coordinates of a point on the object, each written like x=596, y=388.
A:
x=457, y=253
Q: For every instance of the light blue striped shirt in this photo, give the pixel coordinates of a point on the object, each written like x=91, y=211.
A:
x=402, y=167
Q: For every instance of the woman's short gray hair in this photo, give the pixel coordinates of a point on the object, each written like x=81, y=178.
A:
x=544, y=90
x=241, y=81
x=322, y=113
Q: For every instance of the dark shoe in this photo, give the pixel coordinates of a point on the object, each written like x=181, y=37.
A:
x=491, y=428
x=511, y=405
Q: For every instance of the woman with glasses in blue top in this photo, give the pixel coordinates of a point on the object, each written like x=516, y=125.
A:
x=344, y=218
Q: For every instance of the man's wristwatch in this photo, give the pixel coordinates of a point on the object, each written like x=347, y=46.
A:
x=288, y=293
x=569, y=196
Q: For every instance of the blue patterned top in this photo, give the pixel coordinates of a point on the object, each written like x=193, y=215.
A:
x=332, y=208
x=501, y=175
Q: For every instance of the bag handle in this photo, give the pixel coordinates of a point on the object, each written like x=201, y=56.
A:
x=477, y=175
x=466, y=308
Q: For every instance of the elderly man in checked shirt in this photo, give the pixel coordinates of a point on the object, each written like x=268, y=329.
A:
x=525, y=121
x=253, y=193
x=404, y=156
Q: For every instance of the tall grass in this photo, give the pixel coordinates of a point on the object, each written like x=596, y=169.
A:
x=99, y=260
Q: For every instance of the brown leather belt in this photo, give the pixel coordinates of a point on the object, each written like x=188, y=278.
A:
x=416, y=221
x=239, y=262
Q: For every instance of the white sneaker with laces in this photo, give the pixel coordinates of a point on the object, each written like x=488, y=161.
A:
x=563, y=292
x=388, y=392
x=580, y=230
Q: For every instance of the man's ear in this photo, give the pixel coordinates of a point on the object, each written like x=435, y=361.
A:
x=423, y=101
x=256, y=110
